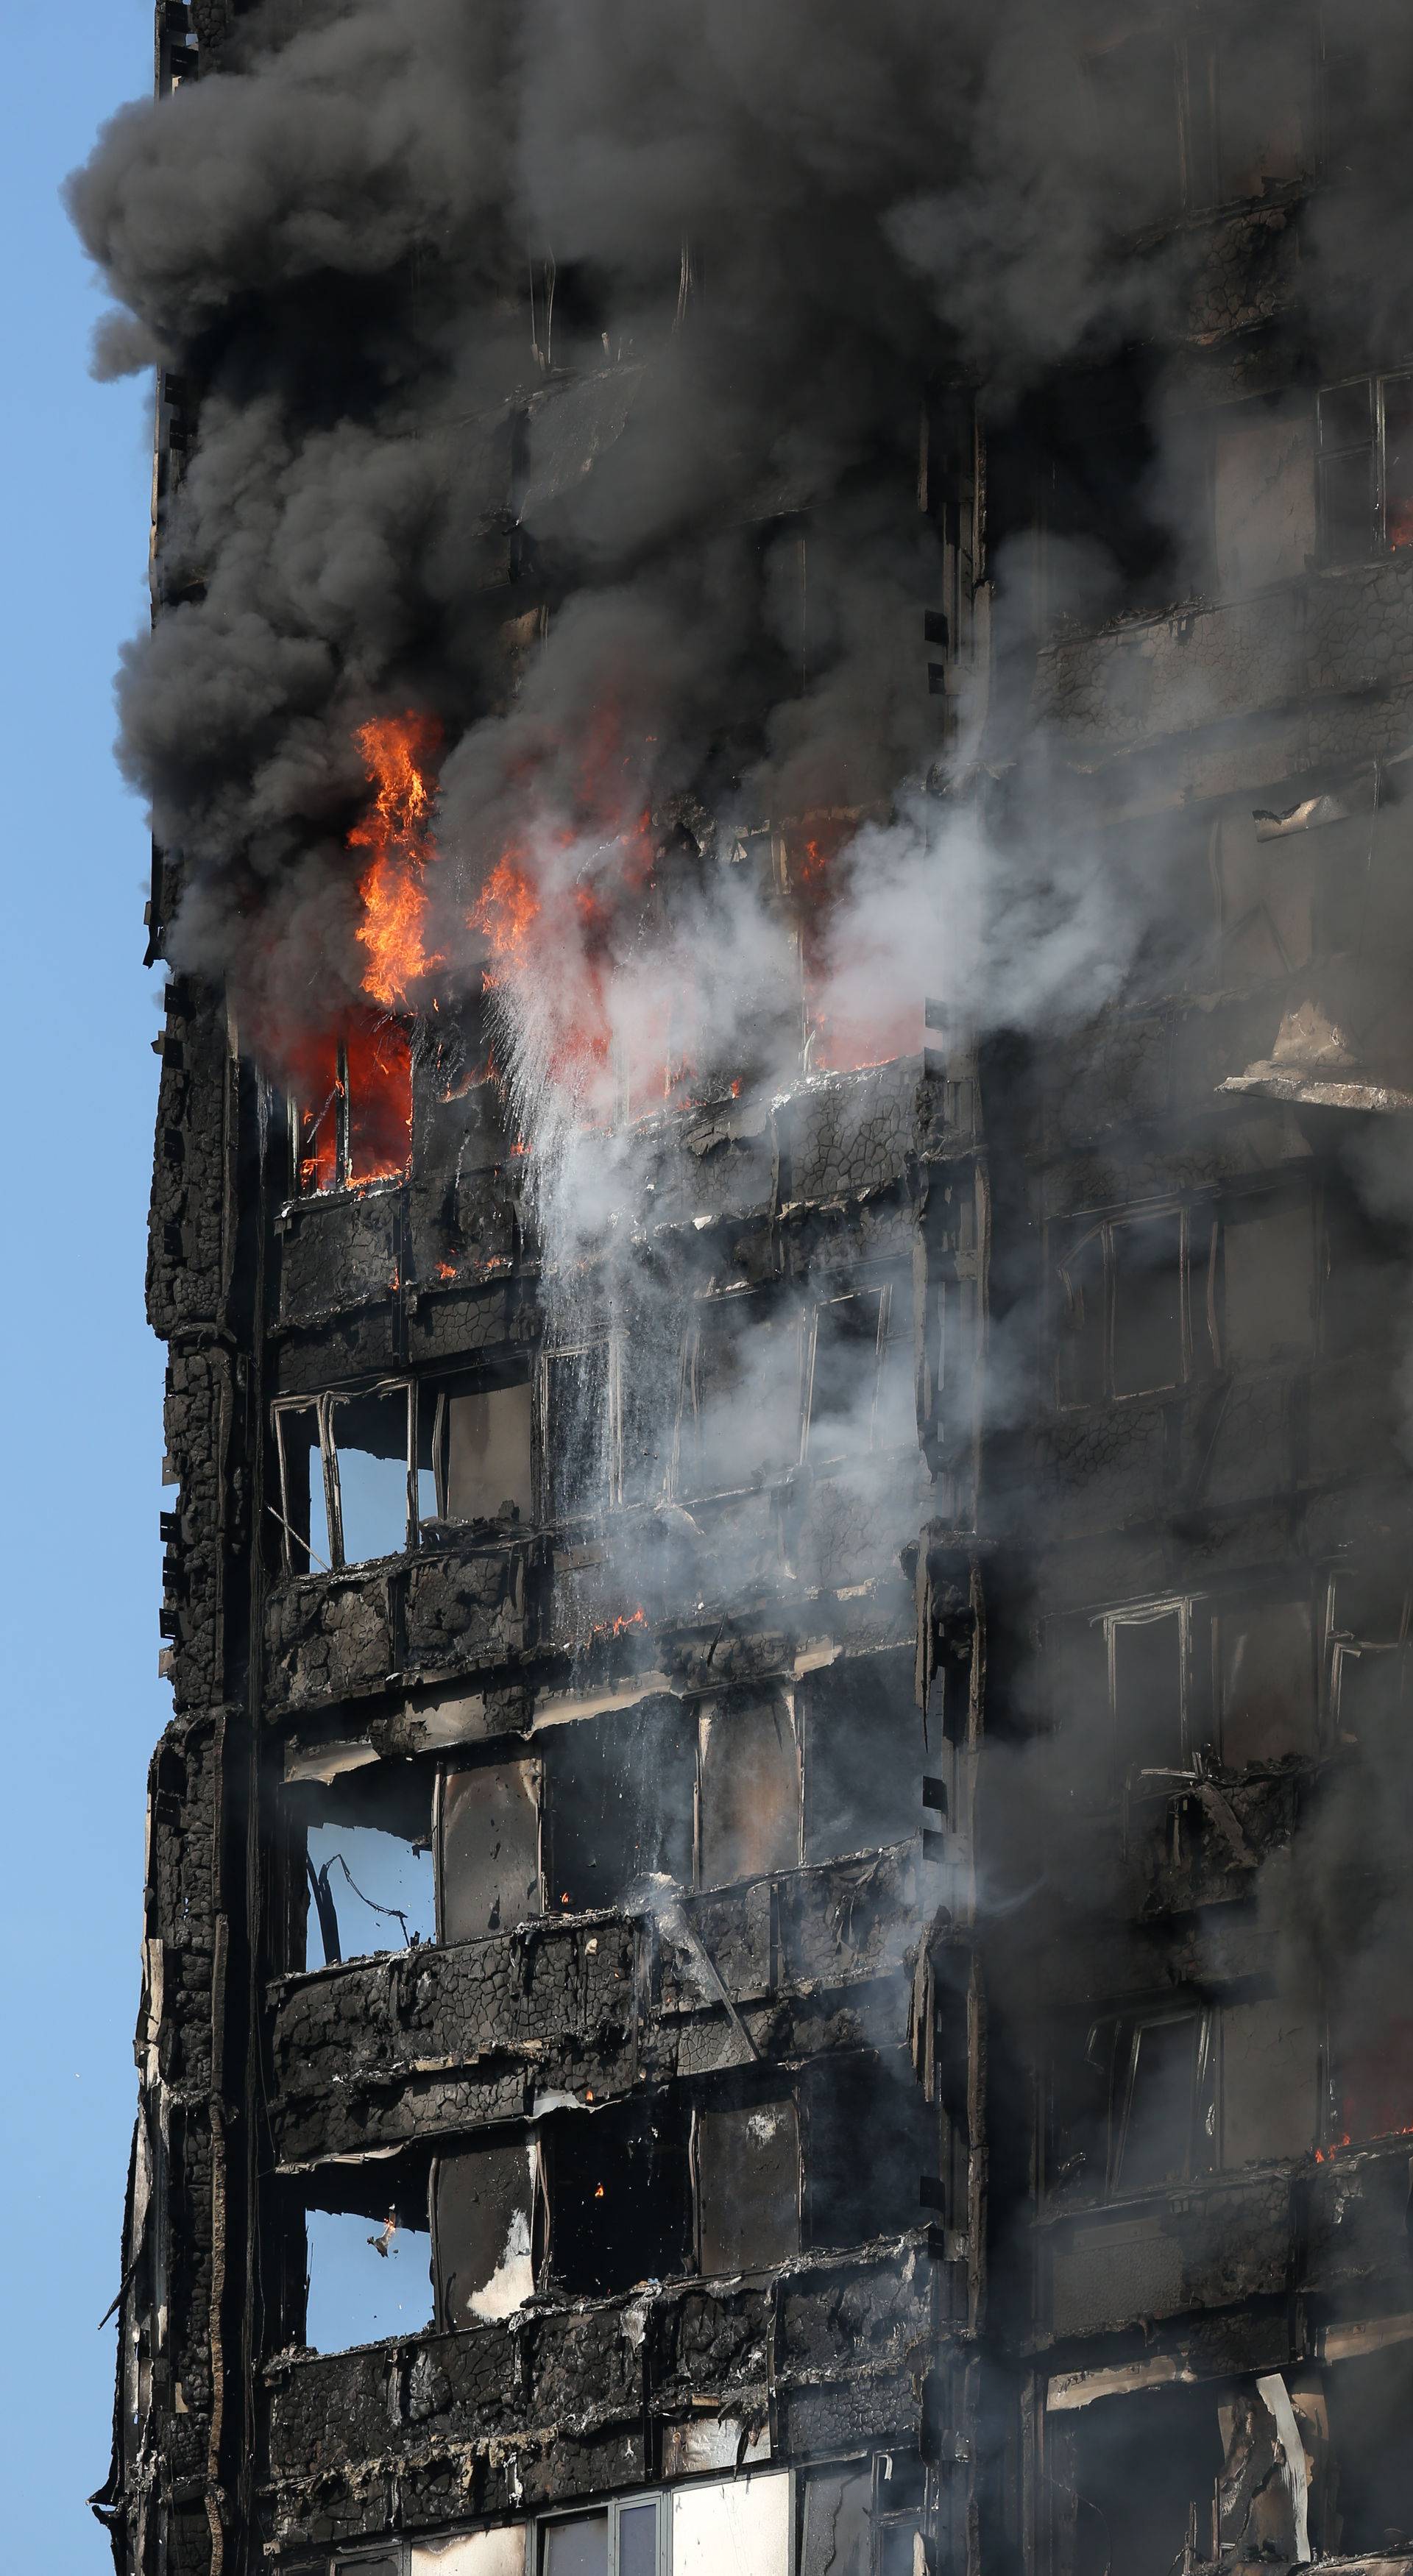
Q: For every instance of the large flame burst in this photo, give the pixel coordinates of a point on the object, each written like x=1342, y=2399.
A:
x=397, y=752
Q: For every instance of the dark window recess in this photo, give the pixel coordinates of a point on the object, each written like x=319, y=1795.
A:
x=346, y=1483
x=1365, y=1266
x=864, y=1755
x=1260, y=84
x=1366, y=468
x=1374, y=2071
x=1265, y=1673
x=619, y=2198
x=1370, y=2401
x=749, y=1796
x=577, y=1431
x=1268, y=1279
x=1131, y=2104
x=1147, y=1350
x=488, y=1849
x=1141, y=2470
x=1074, y=465
x=351, y=1106
x=368, y=1867
x=473, y=1453
x=484, y=2213
x=742, y=1420
x=1147, y=1667
x=1269, y=2082
x=619, y=1805
x=1134, y=85
x=869, y=2138
x=746, y=2176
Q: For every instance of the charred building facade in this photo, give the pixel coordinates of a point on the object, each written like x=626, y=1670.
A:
x=777, y=1933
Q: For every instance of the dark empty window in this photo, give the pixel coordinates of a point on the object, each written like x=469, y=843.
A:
x=1370, y=2401
x=618, y=1805
x=746, y=2171
x=864, y=1755
x=1268, y=1279
x=488, y=1849
x=1154, y=2140
x=351, y=1107
x=1265, y=1672
x=1147, y=1663
x=1132, y=2104
x=1366, y=467
x=619, y=2197
x=1131, y=2475
x=742, y=1419
x=749, y=1799
x=869, y=2138
x=1120, y=1321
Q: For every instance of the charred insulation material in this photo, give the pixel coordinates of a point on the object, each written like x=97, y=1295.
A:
x=779, y=719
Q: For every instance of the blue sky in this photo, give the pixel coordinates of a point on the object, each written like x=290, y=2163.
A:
x=83, y=1378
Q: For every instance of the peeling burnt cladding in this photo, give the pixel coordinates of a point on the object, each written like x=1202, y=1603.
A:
x=776, y=1930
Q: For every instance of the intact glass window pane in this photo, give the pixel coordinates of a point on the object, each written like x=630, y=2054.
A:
x=578, y=2548
x=741, y=2526
x=637, y=2539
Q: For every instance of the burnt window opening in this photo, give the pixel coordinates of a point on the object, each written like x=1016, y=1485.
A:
x=1265, y=1673
x=1370, y=2401
x=859, y=1372
x=746, y=2186
x=1264, y=517
x=488, y=1825
x=368, y=2274
x=1268, y=1281
x=619, y=2197
x=1210, y=110
x=368, y=1873
x=1366, y=468
x=869, y=2139
x=619, y=1804
x=1078, y=524
x=865, y=1755
x=474, y=1451
x=741, y=1413
x=347, y=1476
x=1132, y=2481
x=1121, y=1686
x=351, y=1106
x=748, y=1787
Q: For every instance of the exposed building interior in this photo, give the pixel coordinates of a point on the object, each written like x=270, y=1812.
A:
x=777, y=1927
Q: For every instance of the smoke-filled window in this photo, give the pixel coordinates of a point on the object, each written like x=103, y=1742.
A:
x=603, y=1424
x=859, y=1371
x=351, y=1106
x=1129, y=2104
x=1122, y=1321
x=1202, y=110
x=1263, y=496
x=1366, y=467
x=741, y=1418
x=347, y=1477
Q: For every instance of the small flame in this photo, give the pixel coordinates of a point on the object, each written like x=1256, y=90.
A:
x=396, y=751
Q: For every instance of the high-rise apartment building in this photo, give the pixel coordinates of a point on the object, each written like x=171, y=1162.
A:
x=777, y=1936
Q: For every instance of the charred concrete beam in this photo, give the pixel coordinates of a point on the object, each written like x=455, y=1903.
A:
x=833, y=2353
x=429, y=2041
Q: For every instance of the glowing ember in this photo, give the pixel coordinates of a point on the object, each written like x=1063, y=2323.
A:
x=396, y=751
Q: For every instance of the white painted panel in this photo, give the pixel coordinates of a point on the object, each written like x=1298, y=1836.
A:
x=738, y=2528
x=472, y=2553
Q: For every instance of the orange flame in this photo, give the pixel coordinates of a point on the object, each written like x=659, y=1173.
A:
x=396, y=751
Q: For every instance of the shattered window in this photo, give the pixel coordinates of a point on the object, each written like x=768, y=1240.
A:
x=1366, y=468
x=351, y=1106
x=749, y=1788
x=367, y=1866
x=347, y=1483
x=742, y=1422
x=1132, y=2482
x=368, y=2272
x=746, y=2172
x=484, y=2210
x=473, y=1452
